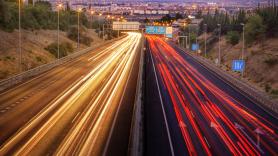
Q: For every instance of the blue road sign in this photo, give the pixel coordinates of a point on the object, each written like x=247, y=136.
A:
x=238, y=65
x=158, y=30
x=195, y=47
x=169, y=35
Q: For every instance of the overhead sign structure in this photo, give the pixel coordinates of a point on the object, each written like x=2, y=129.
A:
x=238, y=65
x=156, y=30
x=126, y=25
x=195, y=47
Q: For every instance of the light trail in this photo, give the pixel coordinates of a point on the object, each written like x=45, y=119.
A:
x=98, y=92
x=207, y=113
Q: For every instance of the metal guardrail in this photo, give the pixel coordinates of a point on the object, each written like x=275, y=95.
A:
x=135, y=147
x=17, y=79
x=238, y=83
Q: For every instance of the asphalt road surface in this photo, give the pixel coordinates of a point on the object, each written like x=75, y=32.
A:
x=80, y=108
x=189, y=110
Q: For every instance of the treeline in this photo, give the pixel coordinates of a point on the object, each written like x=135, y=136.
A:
x=263, y=22
x=40, y=16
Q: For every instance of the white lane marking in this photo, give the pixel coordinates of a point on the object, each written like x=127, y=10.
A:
x=163, y=110
x=119, y=106
x=206, y=141
x=75, y=117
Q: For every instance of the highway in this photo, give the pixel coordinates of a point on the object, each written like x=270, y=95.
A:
x=82, y=107
x=190, y=110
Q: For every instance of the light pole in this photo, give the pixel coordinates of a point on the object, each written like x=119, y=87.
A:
x=219, y=48
x=189, y=35
x=58, y=29
x=118, y=19
x=205, y=39
x=103, y=31
x=92, y=13
x=78, y=27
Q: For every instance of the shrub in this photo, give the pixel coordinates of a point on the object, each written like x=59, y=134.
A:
x=83, y=38
x=274, y=91
x=65, y=48
x=233, y=37
x=39, y=59
x=267, y=87
x=271, y=61
x=255, y=28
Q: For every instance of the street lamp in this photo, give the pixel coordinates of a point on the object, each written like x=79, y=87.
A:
x=189, y=35
x=78, y=27
x=206, y=27
x=92, y=13
x=219, y=48
x=58, y=29
x=118, y=19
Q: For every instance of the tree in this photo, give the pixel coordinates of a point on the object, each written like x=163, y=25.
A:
x=178, y=16
x=146, y=20
x=199, y=14
x=255, y=28
x=233, y=37
x=4, y=12
x=166, y=18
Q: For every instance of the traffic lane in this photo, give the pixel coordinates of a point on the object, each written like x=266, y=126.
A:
x=230, y=118
x=79, y=65
x=103, y=131
x=178, y=105
x=51, y=141
x=121, y=132
x=264, y=118
x=49, y=112
x=222, y=118
x=176, y=138
x=174, y=68
x=156, y=142
x=17, y=92
x=184, y=67
x=247, y=102
x=25, y=110
x=82, y=95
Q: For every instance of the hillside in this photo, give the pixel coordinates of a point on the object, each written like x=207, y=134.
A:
x=261, y=64
x=33, y=49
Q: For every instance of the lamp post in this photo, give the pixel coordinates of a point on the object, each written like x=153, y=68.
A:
x=219, y=48
x=92, y=13
x=78, y=27
x=58, y=29
x=118, y=19
x=205, y=39
x=189, y=35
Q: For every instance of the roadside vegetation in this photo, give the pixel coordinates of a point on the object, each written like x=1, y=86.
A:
x=39, y=34
x=261, y=43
